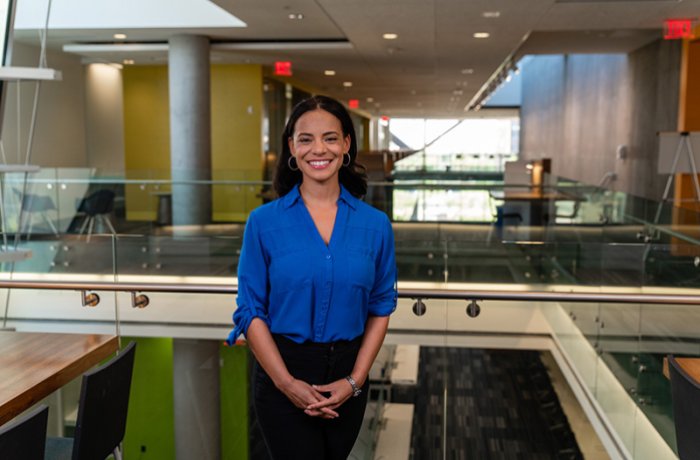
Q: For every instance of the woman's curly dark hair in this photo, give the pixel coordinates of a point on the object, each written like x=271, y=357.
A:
x=353, y=177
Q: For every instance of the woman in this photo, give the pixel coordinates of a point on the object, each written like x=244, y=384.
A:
x=316, y=286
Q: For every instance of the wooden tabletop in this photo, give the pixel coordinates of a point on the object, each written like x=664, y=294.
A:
x=691, y=366
x=538, y=195
x=33, y=365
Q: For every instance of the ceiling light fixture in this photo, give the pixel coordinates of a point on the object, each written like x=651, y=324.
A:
x=482, y=35
x=467, y=71
x=390, y=36
x=370, y=99
x=347, y=84
x=128, y=61
x=297, y=16
x=329, y=73
x=491, y=14
x=119, y=36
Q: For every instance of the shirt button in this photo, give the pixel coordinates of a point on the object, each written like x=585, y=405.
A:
x=328, y=256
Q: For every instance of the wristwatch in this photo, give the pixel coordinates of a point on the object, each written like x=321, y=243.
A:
x=356, y=391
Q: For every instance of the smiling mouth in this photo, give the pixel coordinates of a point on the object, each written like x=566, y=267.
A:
x=319, y=164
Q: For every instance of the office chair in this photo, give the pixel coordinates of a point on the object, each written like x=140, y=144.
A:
x=33, y=205
x=685, y=394
x=23, y=438
x=97, y=206
x=101, y=423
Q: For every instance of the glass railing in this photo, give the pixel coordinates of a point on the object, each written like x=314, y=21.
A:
x=591, y=240
x=482, y=370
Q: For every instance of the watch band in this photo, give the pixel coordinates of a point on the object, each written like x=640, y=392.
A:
x=356, y=391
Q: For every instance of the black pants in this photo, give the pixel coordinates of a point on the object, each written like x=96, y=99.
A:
x=288, y=432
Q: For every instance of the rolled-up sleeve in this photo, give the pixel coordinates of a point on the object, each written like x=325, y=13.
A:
x=383, y=297
x=253, y=285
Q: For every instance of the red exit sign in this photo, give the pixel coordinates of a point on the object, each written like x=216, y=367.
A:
x=283, y=68
x=676, y=29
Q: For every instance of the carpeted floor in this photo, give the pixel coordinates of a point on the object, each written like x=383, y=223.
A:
x=487, y=404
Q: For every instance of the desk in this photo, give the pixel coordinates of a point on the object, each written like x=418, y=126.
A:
x=533, y=206
x=33, y=365
x=691, y=366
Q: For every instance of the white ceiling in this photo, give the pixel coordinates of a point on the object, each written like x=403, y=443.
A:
x=417, y=74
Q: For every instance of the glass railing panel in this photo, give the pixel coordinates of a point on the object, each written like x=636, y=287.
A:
x=622, y=368
x=665, y=329
x=618, y=346
x=55, y=260
x=170, y=257
x=576, y=328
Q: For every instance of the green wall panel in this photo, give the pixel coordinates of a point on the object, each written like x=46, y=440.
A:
x=234, y=403
x=150, y=428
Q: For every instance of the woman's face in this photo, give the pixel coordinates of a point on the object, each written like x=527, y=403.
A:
x=318, y=146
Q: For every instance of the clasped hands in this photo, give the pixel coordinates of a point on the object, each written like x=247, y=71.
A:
x=312, y=399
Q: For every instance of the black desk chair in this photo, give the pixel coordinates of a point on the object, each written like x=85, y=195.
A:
x=685, y=392
x=101, y=423
x=23, y=438
x=96, y=207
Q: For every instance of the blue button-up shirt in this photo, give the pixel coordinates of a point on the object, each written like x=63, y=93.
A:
x=307, y=290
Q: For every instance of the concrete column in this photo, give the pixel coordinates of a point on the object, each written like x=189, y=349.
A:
x=190, y=128
x=196, y=392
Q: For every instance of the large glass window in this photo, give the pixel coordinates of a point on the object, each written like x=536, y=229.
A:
x=452, y=159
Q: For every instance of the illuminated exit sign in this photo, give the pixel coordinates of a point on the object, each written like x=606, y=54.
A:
x=283, y=68
x=676, y=29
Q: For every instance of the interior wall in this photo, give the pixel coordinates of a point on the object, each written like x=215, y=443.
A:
x=236, y=130
x=146, y=136
x=237, y=138
x=104, y=121
x=579, y=109
x=59, y=136
x=654, y=73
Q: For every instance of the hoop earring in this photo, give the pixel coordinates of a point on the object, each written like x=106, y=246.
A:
x=349, y=159
x=289, y=163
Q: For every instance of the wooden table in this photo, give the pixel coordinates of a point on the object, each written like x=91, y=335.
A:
x=33, y=365
x=691, y=366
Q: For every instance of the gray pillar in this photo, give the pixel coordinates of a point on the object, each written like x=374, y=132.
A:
x=190, y=128
x=196, y=392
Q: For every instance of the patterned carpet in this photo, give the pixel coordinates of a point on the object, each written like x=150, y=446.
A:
x=487, y=404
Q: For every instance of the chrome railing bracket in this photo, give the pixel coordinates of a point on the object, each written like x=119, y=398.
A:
x=139, y=301
x=89, y=299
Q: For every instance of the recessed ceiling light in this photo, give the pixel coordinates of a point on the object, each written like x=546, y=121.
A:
x=298, y=16
x=482, y=35
x=491, y=14
x=467, y=71
x=119, y=36
x=329, y=73
x=347, y=84
x=128, y=61
x=370, y=99
x=390, y=36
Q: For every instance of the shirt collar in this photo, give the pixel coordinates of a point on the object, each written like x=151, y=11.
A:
x=347, y=197
x=293, y=196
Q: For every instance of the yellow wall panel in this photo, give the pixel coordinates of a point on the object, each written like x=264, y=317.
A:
x=236, y=130
x=237, y=151
x=146, y=136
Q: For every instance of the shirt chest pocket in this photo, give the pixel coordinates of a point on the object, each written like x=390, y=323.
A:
x=359, y=263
